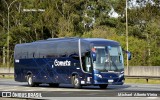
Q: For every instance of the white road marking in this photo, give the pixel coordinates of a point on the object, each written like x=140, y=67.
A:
x=7, y=90
x=26, y=87
x=43, y=88
x=29, y=90
x=11, y=89
x=152, y=98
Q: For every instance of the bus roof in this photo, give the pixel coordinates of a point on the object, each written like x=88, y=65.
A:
x=90, y=40
x=96, y=41
x=60, y=46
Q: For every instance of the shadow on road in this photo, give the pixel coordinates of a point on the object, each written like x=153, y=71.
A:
x=68, y=86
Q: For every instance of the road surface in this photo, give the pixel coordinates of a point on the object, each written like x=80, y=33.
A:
x=129, y=91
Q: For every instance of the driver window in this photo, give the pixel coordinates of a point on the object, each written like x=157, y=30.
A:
x=101, y=56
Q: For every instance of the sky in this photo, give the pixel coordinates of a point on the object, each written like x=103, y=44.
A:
x=132, y=4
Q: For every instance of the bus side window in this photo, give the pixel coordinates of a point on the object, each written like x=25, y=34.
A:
x=33, y=54
x=87, y=62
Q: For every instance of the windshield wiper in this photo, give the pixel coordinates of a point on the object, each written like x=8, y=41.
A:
x=113, y=63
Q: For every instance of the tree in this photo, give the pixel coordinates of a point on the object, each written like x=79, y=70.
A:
x=86, y=18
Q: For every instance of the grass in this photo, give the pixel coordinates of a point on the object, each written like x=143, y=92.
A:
x=7, y=77
x=143, y=81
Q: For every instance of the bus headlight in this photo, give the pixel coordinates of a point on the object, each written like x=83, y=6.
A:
x=98, y=75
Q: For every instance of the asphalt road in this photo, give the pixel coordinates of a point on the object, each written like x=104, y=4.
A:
x=118, y=92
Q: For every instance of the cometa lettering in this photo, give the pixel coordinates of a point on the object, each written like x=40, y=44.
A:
x=62, y=63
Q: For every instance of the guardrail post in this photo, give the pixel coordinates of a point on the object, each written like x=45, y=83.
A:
x=147, y=80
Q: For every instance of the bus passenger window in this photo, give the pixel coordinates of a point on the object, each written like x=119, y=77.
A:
x=33, y=55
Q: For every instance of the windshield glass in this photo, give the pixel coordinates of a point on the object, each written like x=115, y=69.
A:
x=108, y=58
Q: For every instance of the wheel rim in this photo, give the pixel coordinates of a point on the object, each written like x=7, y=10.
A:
x=76, y=81
x=30, y=80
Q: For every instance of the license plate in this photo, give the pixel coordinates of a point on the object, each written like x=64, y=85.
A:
x=110, y=81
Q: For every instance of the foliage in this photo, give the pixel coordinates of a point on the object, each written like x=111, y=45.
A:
x=85, y=18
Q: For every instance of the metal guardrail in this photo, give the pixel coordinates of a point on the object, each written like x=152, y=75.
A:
x=139, y=77
x=142, y=77
x=6, y=74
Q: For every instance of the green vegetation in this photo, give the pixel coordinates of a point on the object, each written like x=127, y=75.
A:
x=84, y=18
x=7, y=76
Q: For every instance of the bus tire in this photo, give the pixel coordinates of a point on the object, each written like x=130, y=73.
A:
x=103, y=86
x=76, y=82
x=30, y=81
x=37, y=84
x=54, y=84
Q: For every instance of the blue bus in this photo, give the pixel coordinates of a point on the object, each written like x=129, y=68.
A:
x=77, y=61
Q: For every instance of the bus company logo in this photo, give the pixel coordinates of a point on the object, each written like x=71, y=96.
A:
x=62, y=63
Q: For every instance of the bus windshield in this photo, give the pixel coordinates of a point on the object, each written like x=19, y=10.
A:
x=108, y=58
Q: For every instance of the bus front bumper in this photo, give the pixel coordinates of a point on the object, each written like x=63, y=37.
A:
x=113, y=81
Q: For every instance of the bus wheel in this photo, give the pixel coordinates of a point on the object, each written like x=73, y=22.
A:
x=76, y=82
x=103, y=86
x=30, y=81
x=54, y=84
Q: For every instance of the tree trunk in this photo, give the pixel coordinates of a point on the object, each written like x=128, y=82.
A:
x=35, y=30
x=4, y=56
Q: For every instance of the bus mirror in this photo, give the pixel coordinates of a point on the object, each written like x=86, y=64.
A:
x=93, y=53
x=94, y=56
x=129, y=55
x=109, y=47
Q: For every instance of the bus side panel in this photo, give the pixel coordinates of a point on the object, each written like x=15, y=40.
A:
x=63, y=73
x=44, y=70
x=18, y=72
x=39, y=68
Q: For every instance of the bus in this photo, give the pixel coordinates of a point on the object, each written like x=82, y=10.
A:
x=76, y=61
